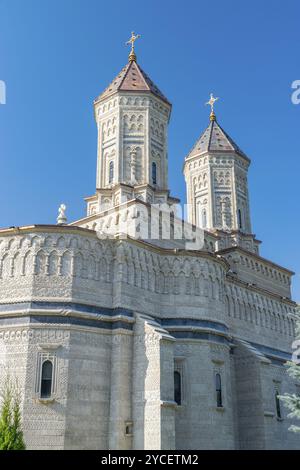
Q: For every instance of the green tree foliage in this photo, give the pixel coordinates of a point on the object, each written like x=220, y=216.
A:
x=11, y=435
x=292, y=401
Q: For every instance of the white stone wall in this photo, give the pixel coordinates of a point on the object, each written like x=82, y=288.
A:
x=199, y=423
x=259, y=272
x=277, y=434
x=121, y=391
x=153, y=400
x=260, y=317
x=43, y=424
x=55, y=266
x=114, y=384
x=258, y=424
x=89, y=390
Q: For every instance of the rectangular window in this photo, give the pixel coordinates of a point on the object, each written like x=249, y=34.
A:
x=276, y=398
x=278, y=407
x=219, y=399
x=177, y=387
x=46, y=372
x=178, y=381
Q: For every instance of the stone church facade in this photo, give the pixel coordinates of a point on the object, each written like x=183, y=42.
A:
x=140, y=342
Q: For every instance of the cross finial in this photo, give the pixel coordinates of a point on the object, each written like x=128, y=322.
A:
x=211, y=102
x=62, y=219
x=134, y=37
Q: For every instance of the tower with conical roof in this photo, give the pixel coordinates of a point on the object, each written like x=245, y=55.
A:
x=132, y=117
x=216, y=174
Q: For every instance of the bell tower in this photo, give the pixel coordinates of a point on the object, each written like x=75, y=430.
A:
x=132, y=117
x=216, y=175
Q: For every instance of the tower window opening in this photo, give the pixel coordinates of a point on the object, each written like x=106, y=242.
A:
x=154, y=173
x=204, y=218
x=177, y=387
x=219, y=391
x=111, y=172
x=240, y=219
x=278, y=407
x=46, y=379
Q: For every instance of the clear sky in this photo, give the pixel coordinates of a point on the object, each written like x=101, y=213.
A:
x=56, y=56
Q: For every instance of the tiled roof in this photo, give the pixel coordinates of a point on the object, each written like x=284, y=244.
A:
x=132, y=78
x=215, y=139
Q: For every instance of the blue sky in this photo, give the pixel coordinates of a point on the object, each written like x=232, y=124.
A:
x=56, y=56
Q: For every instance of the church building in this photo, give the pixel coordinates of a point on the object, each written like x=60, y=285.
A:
x=134, y=328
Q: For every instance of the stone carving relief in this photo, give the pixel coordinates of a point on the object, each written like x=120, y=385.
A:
x=223, y=212
x=60, y=256
x=108, y=106
x=109, y=129
x=133, y=101
x=200, y=182
x=157, y=129
x=133, y=123
x=259, y=310
x=222, y=178
x=134, y=164
x=52, y=255
x=241, y=183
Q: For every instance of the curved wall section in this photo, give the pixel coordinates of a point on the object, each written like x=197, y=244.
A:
x=68, y=264
x=55, y=265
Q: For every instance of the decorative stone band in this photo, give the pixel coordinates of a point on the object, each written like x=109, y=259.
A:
x=76, y=314
x=265, y=353
x=66, y=314
x=275, y=355
x=199, y=335
x=197, y=329
x=55, y=320
x=192, y=322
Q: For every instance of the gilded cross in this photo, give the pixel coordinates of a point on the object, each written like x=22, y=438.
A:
x=131, y=41
x=211, y=102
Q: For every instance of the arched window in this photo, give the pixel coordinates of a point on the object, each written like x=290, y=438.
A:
x=46, y=382
x=219, y=391
x=278, y=407
x=240, y=219
x=154, y=173
x=111, y=172
x=177, y=387
x=204, y=218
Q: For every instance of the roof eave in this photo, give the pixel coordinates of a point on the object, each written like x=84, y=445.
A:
x=189, y=157
x=147, y=92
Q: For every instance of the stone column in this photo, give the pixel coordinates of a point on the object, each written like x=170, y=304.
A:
x=120, y=424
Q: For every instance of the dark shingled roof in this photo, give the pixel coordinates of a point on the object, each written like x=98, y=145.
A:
x=215, y=139
x=132, y=78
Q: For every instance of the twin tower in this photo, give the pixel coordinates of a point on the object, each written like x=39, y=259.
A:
x=132, y=117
